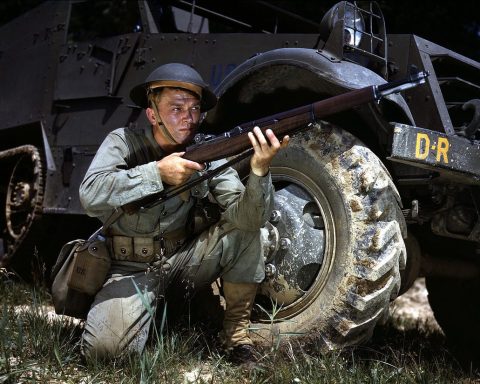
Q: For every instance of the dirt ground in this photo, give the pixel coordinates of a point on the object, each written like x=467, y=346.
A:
x=412, y=310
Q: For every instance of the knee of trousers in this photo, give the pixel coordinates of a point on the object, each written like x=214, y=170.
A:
x=98, y=347
x=247, y=243
x=108, y=334
x=246, y=250
x=109, y=345
x=118, y=320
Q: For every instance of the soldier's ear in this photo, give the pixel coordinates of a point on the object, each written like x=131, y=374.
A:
x=151, y=116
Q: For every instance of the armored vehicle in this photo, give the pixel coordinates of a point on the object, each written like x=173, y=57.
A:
x=366, y=200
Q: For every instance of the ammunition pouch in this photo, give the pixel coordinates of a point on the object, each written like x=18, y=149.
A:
x=138, y=249
x=146, y=249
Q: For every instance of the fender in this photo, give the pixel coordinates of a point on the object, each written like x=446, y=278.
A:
x=284, y=78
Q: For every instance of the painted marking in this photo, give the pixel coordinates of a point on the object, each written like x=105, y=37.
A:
x=423, y=147
x=442, y=150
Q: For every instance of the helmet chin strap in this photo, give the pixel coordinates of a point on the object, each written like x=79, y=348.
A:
x=162, y=127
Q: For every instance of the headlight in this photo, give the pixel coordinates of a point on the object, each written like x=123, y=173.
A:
x=353, y=23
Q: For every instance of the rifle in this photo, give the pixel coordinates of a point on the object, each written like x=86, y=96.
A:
x=236, y=141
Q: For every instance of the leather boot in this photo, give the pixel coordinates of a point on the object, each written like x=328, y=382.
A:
x=239, y=298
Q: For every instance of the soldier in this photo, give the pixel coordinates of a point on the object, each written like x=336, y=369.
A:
x=155, y=245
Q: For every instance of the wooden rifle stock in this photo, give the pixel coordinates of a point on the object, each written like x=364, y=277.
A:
x=283, y=123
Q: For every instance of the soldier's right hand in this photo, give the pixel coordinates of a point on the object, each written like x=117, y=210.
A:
x=175, y=170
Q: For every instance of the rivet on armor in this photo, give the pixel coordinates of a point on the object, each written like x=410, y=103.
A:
x=123, y=250
x=144, y=251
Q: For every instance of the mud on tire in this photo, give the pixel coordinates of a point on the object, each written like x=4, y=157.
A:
x=360, y=245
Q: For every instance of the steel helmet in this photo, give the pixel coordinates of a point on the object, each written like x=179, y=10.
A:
x=178, y=76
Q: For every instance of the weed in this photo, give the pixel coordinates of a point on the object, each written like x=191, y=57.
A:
x=36, y=346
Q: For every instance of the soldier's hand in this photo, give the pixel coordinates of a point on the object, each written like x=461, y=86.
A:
x=175, y=170
x=264, y=150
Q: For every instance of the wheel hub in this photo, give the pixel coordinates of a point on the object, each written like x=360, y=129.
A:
x=294, y=246
x=20, y=195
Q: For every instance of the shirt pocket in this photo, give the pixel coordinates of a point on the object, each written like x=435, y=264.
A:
x=142, y=222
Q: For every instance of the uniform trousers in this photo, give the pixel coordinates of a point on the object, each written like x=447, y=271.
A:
x=122, y=314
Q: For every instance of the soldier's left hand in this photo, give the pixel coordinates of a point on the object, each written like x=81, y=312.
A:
x=265, y=149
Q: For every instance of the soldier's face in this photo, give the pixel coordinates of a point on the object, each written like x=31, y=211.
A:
x=180, y=113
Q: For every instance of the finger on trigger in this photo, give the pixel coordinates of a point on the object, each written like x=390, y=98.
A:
x=193, y=165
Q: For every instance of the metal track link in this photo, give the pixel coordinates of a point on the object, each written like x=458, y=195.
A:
x=24, y=198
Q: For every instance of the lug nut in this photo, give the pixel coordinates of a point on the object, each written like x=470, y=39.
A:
x=270, y=270
x=275, y=217
x=285, y=243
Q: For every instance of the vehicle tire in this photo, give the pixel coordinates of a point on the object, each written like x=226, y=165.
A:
x=340, y=230
x=456, y=306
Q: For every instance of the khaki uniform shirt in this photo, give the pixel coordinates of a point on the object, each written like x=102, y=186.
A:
x=109, y=183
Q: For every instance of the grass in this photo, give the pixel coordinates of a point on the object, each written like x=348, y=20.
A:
x=38, y=348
